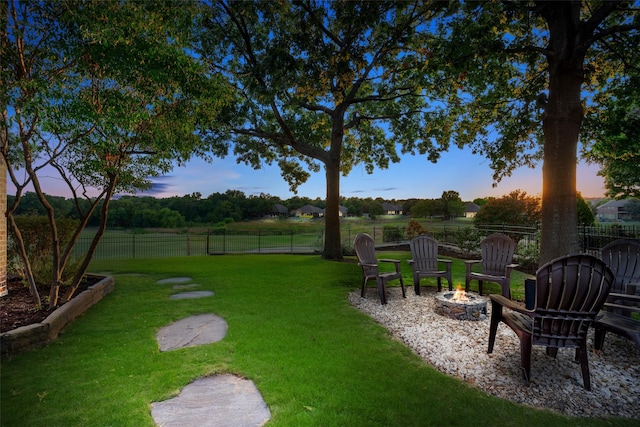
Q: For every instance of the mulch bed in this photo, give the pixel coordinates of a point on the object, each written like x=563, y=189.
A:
x=18, y=308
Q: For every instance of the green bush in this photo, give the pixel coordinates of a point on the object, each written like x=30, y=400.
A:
x=348, y=250
x=392, y=234
x=36, y=235
x=415, y=229
x=528, y=253
x=468, y=239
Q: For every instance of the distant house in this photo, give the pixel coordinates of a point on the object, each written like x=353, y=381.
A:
x=613, y=210
x=280, y=210
x=471, y=209
x=316, y=212
x=391, y=209
x=309, y=211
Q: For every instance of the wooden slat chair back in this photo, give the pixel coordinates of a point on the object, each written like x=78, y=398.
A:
x=425, y=262
x=497, y=256
x=623, y=258
x=366, y=252
x=621, y=313
x=570, y=291
x=497, y=252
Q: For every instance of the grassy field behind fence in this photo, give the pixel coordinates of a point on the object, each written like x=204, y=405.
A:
x=303, y=236
x=264, y=236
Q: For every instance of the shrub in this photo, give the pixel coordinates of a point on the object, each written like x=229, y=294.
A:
x=36, y=235
x=415, y=229
x=468, y=239
x=528, y=253
x=391, y=234
x=348, y=250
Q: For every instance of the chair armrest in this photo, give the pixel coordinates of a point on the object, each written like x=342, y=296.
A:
x=508, y=269
x=510, y=304
x=628, y=297
x=625, y=297
x=447, y=264
x=410, y=261
x=396, y=262
x=364, y=264
x=469, y=262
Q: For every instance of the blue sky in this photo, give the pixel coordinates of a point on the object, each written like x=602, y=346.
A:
x=413, y=177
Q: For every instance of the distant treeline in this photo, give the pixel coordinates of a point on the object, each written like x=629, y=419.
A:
x=195, y=210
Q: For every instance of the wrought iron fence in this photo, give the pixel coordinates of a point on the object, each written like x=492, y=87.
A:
x=445, y=234
x=128, y=244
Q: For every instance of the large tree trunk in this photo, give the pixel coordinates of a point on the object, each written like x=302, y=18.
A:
x=559, y=235
x=332, y=240
x=561, y=127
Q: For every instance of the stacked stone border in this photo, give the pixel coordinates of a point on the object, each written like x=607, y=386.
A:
x=30, y=336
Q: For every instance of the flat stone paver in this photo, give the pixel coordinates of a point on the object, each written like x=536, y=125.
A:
x=189, y=286
x=192, y=331
x=192, y=295
x=218, y=401
x=174, y=280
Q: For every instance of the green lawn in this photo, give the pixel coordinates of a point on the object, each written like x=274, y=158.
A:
x=316, y=360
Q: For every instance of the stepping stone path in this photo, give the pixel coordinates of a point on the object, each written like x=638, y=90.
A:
x=192, y=295
x=222, y=400
x=192, y=331
x=185, y=295
x=174, y=280
x=189, y=286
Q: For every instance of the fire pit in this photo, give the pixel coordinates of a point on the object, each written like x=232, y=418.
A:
x=461, y=305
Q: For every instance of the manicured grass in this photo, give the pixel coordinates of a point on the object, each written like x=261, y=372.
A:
x=316, y=360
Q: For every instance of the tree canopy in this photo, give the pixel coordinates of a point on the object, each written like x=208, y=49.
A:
x=528, y=70
x=102, y=96
x=614, y=133
x=515, y=208
x=328, y=85
x=109, y=94
x=336, y=84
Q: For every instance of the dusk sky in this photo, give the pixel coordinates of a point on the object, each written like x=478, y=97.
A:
x=413, y=177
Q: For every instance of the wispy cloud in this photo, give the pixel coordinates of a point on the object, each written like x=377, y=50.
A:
x=157, y=188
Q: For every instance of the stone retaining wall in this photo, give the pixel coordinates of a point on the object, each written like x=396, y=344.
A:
x=26, y=337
